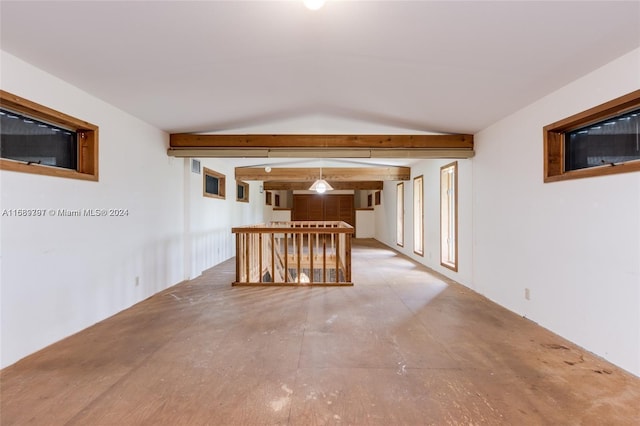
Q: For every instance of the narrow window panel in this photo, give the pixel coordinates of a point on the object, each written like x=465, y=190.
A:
x=242, y=191
x=213, y=186
x=609, y=142
x=400, y=214
x=603, y=140
x=418, y=216
x=30, y=140
x=449, y=216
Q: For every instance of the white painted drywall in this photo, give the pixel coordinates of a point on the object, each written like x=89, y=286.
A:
x=386, y=218
x=211, y=219
x=365, y=224
x=574, y=244
x=281, y=215
x=62, y=274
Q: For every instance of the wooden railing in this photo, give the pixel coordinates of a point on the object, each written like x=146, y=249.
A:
x=294, y=253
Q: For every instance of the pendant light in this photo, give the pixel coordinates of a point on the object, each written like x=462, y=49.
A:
x=321, y=185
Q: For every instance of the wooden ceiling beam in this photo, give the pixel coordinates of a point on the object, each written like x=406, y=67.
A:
x=310, y=174
x=298, y=186
x=189, y=140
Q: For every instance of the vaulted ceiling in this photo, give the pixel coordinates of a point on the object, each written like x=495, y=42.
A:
x=397, y=67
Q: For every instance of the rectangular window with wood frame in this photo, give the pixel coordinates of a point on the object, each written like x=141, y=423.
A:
x=449, y=216
x=213, y=185
x=37, y=139
x=600, y=141
x=400, y=214
x=418, y=215
x=242, y=191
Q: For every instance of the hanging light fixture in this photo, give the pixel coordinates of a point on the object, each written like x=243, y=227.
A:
x=321, y=185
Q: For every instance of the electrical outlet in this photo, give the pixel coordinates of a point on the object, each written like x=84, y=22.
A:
x=527, y=294
x=137, y=281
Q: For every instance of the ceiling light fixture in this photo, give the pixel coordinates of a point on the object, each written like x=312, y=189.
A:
x=313, y=4
x=320, y=185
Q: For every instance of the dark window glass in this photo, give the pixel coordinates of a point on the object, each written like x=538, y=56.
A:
x=612, y=141
x=240, y=192
x=32, y=141
x=212, y=185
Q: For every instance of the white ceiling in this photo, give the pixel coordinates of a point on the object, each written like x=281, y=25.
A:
x=221, y=66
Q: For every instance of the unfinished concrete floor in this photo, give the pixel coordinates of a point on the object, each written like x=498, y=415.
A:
x=401, y=347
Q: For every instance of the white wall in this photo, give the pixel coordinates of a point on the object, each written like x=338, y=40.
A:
x=281, y=216
x=386, y=218
x=365, y=224
x=208, y=228
x=62, y=274
x=574, y=244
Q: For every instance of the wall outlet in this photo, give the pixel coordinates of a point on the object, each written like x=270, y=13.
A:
x=137, y=281
x=527, y=294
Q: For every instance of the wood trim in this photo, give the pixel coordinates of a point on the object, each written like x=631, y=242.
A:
x=245, y=190
x=400, y=220
x=421, y=179
x=345, y=229
x=293, y=230
x=190, y=140
x=222, y=183
x=40, y=169
x=331, y=174
x=35, y=110
x=337, y=185
x=605, y=170
x=293, y=284
x=417, y=153
x=554, y=142
x=449, y=265
x=87, y=139
x=600, y=112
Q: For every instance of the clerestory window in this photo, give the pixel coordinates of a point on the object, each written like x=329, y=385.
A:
x=37, y=139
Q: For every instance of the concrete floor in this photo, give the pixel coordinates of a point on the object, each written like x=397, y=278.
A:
x=401, y=347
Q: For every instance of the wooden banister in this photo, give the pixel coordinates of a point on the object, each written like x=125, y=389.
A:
x=294, y=253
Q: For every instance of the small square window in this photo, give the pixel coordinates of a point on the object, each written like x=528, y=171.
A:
x=214, y=184
x=242, y=191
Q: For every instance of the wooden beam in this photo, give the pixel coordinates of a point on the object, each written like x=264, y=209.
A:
x=421, y=153
x=188, y=140
x=309, y=174
x=299, y=186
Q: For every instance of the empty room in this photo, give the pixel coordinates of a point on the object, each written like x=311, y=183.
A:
x=319, y=212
